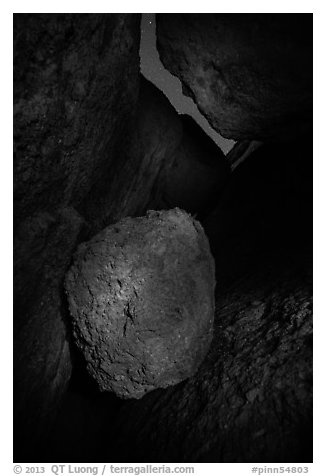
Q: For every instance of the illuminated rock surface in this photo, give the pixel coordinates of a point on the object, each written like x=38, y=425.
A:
x=141, y=294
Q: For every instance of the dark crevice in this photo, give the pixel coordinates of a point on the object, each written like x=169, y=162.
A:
x=153, y=70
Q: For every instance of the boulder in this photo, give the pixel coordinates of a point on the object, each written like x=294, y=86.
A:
x=141, y=295
x=250, y=75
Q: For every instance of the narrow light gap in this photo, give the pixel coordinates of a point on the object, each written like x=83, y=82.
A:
x=153, y=70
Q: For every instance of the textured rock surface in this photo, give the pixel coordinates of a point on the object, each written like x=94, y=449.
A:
x=75, y=87
x=141, y=294
x=42, y=364
x=250, y=75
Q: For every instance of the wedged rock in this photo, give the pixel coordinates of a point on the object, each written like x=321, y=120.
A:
x=42, y=362
x=249, y=74
x=141, y=294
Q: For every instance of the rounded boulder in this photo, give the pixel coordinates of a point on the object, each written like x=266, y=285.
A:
x=141, y=296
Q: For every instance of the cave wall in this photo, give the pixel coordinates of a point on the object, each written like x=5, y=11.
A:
x=95, y=142
x=75, y=84
x=42, y=356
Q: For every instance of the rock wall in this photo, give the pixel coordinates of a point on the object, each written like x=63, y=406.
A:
x=76, y=80
x=42, y=359
x=75, y=86
x=250, y=75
